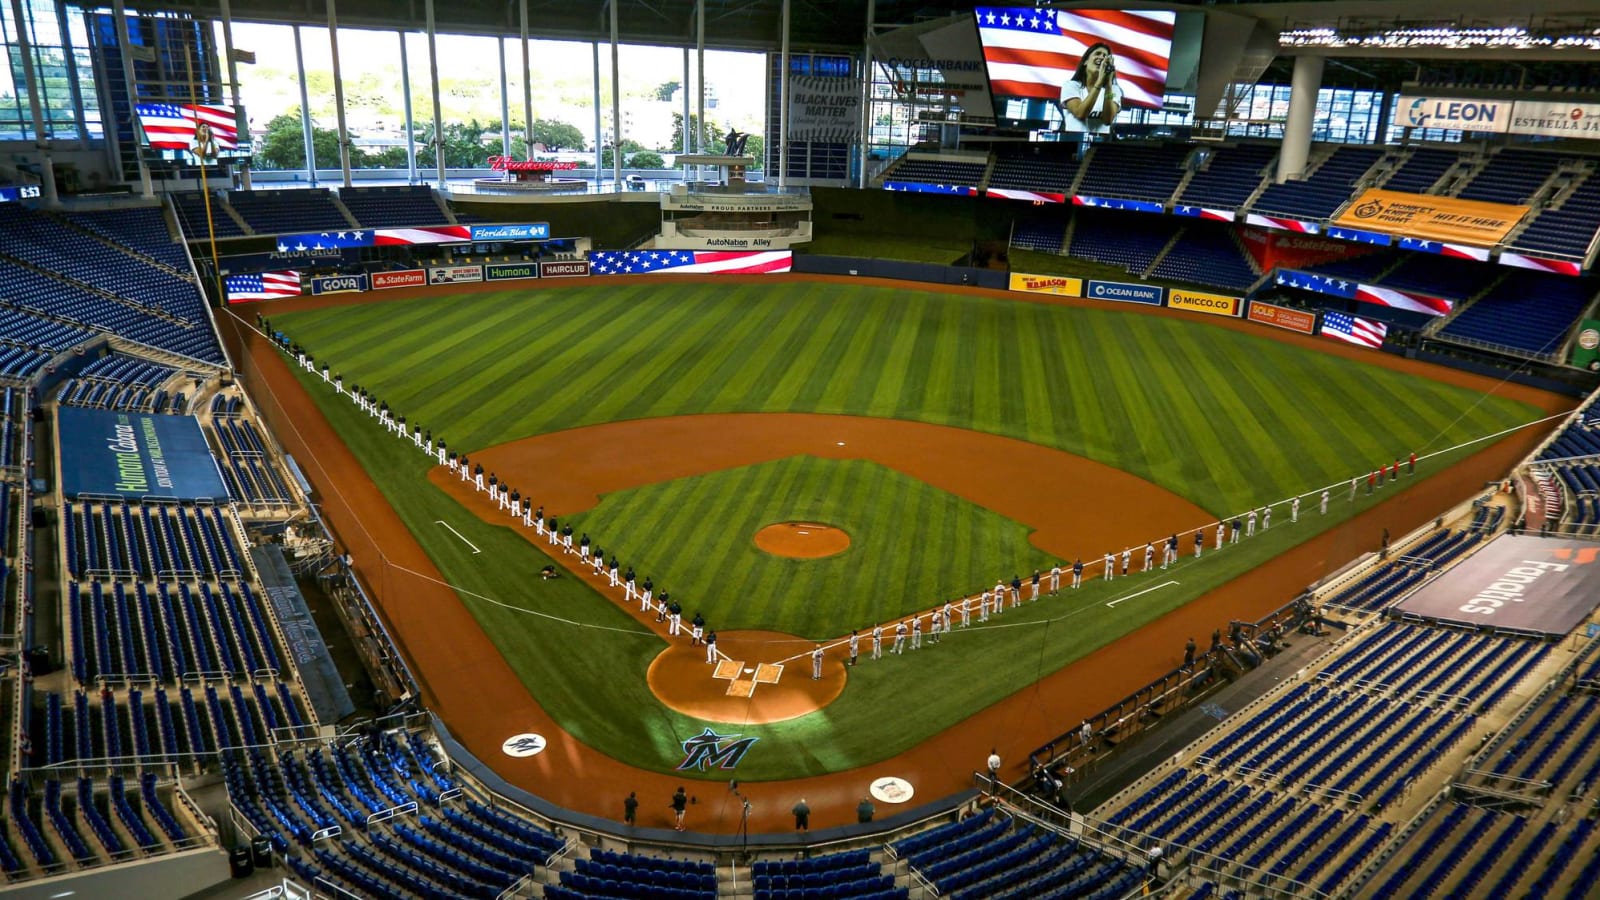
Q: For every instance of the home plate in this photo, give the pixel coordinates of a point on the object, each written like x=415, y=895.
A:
x=728, y=669
x=768, y=673
x=741, y=688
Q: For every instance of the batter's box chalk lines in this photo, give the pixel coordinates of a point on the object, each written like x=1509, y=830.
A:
x=1156, y=587
x=458, y=534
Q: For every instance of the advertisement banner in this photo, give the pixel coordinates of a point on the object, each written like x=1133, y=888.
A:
x=824, y=109
x=440, y=234
x=690, y=262
x=1433, y=218
x=339, y=284
x=1444, y=248
x=536, y=231
x=1144, y=206
x=382, y=281
x=1586, y=349
x=918, y=187
x=1205, y=212
x=455, y=274
x=1542, y=264
x=135, y=455
x=1358, y=236
x=510, y=271
x=1210, y=304
x=1311, y=281
x=1275, y=249
x=1454, y=113
x=1121, y=292
x=324, y=240
x=1298, y=320
x=1046, y=284
x=1556, y=119
x=1280, y=223
x=1517, y=581
x=564, y=268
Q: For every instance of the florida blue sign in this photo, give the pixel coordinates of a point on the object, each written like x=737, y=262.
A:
x=536, y=231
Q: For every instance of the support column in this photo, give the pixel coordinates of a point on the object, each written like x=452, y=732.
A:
x=687, y=122
x=305, y=110
x=1385, y=100
x=71, y=62
x=433, y=80
x=783, y=100
x=411, y=128
x=505, y=101
x=527, y=85
x=599, y=141
x=616, y=105
x=120, y=12
x=866, y=94
x=338, y=95
x=47, y=168
x=233, y=83
x=700, y=73
x=1303, y=87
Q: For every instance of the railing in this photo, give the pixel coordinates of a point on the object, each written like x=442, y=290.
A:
x=384, y=815
x=1493, y=347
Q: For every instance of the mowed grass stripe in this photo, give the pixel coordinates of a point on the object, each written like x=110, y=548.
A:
x=1217, y=411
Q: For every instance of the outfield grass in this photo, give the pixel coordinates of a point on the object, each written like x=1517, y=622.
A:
x=1223, y=418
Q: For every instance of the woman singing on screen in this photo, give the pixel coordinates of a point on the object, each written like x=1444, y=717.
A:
x=1091, y=98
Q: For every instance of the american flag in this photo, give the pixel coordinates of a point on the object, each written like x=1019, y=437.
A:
x=1353, y=329
x=263, y=286
x=1407, y=300
x=1031, y=52
x=725, y=262
x=171, y=127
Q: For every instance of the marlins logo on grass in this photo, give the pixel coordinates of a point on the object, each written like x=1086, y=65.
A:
x=709, y=750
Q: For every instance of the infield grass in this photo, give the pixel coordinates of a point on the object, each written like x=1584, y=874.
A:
x=1226, y=419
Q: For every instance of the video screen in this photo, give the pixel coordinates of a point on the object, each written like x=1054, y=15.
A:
x=1075, y=70
x=192, y=133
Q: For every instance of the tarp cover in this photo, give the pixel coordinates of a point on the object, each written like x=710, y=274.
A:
x=1532, y=583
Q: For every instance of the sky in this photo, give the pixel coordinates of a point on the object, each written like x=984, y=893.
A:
x=562, y=79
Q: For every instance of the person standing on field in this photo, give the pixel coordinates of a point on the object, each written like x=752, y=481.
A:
x=1222, y=532
x=1199, y=542
x=900, y=632
x=1411, y=464
x=877, y=642
x=855, y=647
x=1266, y=517
x=916, y=632
x=680, y=804
x=1294, y=510
x=1127, y=552
x=630, y=809
x=1149, y=556
x=816, y=664
x=1077, y=573
x=1109, y=564
x=1016, y=591
x=1035, y=594
x=711, y=646
x=1250, y=524
x=1325, y=502
x=1055, y=578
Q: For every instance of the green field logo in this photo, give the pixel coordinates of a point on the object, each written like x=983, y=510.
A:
x=709, y=750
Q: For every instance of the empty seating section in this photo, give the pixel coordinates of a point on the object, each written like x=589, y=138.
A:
x=1380, y=588
x=1130, y=240
x=288, y=211
x=852, y=873
x=1511, y=176
x=1044, y=235
x=93, y=823
x=1232, y=175
x=54, y=297
x=1529, y=311
x=993, y=855
x=142, y=229
x=118, y=381
x=1440, y=276
x=427, y=836
x=247, y=467
x=1134, y=171
x=937, y=171
x=1321, y=193
x=191, y=211
x=609, y=874
x=24, y=329
x=51, y=246
x=1039, y=168
x=1207, y=254
x=1582, y=480
x=1368, y=267
x=1568, y=228
x=1421, y=171
x=393, y=207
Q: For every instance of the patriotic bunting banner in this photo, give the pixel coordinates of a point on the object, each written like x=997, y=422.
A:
x=723, y=262
x=1144, y=206
x=1282, y=224
x=1407, y=300
x=323, y=240
x=1540, y=264
x=1353, y=330
x=169, y=126
x=444, y=234
x=1205, y=212
x=1035, y=196
x=1032, y=52
x=1310, y=281
x=1443, y=248
x=1358, y=236
x=918, y=187
x=262, y=286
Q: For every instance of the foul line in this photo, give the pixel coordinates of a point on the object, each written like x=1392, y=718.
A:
x=458, y=534
x=1147, y=590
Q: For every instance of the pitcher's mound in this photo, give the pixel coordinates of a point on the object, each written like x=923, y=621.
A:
x=802, y=540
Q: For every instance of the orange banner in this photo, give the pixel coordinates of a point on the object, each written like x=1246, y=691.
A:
x=1432, y=218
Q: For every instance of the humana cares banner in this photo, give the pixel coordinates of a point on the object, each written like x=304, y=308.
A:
x=824, y=109
x=1435, y=218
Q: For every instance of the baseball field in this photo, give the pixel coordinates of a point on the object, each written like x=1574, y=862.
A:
x=957, y=440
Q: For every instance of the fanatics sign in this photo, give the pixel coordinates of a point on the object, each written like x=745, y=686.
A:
x=1530, y=583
